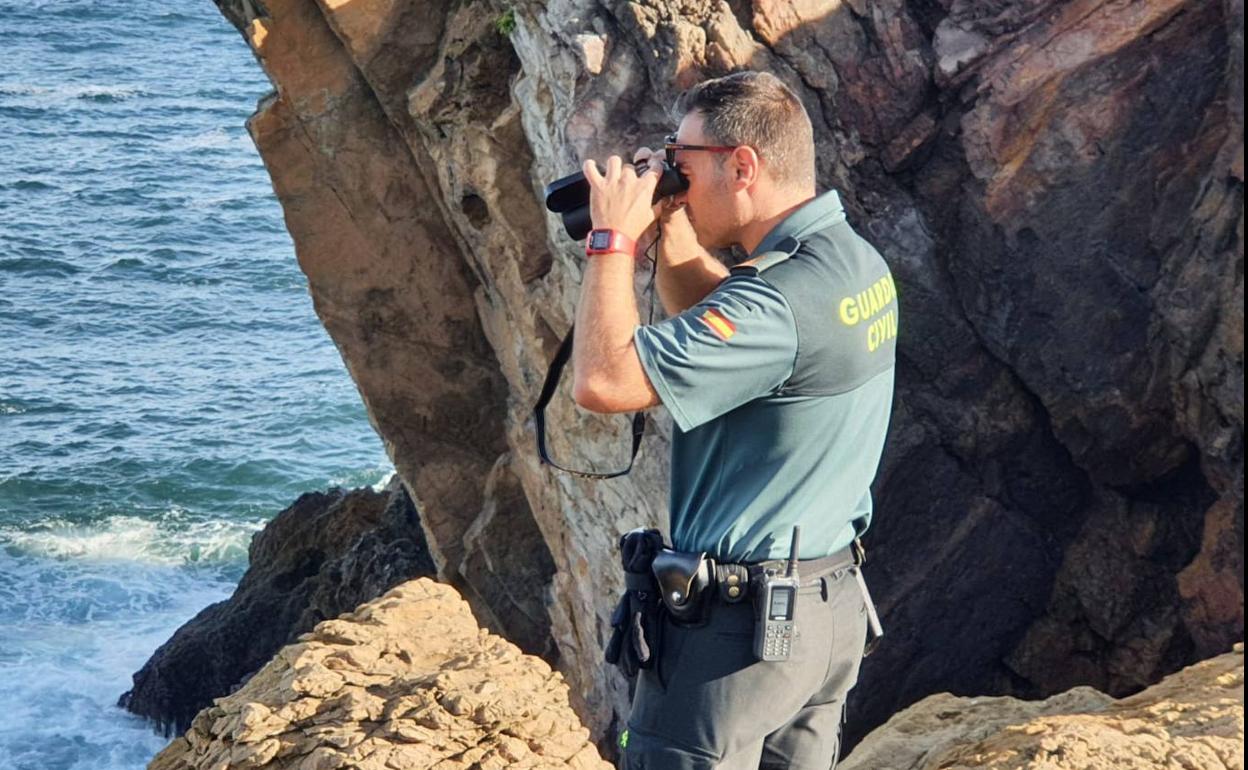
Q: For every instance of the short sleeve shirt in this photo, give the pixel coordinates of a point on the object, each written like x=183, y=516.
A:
x=781, y=404
x=699, y=365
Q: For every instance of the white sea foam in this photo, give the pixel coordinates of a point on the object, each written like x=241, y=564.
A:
x=375, y=477
x=216, y=140
x=74, y=631
x=65, y=95
x=380, y=486
x=169, y=540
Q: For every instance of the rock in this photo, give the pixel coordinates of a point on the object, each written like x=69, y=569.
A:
x=407, y=681
x=1191, y=720
x=322, y=556
x=385, y=269
x=1061, y=497
x=956, y=48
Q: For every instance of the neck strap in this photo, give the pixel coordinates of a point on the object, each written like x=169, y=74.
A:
x=553, y=375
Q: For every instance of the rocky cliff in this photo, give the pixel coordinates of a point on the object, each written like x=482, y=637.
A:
x=1057, y=184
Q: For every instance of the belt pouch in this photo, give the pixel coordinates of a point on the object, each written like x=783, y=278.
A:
x=683, y=579
x=733, y=582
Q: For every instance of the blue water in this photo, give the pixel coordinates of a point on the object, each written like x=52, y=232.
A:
x=165, y=387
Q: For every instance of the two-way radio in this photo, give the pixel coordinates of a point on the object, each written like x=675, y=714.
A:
x=775, y=602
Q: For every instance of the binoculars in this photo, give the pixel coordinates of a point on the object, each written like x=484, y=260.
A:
x=569, y=196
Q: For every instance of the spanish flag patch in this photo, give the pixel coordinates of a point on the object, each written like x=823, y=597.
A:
x=722, y=327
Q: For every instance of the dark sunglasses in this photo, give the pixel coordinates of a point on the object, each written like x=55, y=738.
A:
x=670, y=146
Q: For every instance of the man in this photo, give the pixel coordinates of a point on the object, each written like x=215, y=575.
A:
x=779, y=376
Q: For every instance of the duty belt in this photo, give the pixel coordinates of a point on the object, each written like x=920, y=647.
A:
x=686, y=580
x=733, y=580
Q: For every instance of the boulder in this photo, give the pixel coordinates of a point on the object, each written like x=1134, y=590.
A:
x=322, y=556
x=408, y=681
x=1191, y=720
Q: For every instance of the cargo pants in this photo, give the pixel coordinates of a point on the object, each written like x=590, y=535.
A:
x=710, y=705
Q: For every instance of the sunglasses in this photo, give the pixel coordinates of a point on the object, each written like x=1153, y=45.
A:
x=670, y=146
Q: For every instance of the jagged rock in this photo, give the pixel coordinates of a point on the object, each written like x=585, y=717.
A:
x=1191, y=720
x=405, y=682
x=322, y=556
x=1061, y=497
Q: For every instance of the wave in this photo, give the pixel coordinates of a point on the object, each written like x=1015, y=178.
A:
x=171, y=540
x=218, y=139
x=29, y=184
x=38, y=266
x=68, y=94
x=381, y=485
x=375, y=477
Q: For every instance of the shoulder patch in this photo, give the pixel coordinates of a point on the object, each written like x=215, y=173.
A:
x=718, y=323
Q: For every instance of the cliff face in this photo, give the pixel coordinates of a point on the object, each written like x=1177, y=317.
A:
x=1058, y=187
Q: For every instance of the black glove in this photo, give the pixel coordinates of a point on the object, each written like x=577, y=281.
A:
x=637, y=621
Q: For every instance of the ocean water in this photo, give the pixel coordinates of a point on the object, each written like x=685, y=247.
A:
x=165, y=387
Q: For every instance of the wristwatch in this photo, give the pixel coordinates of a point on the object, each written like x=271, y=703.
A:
x=605, y=241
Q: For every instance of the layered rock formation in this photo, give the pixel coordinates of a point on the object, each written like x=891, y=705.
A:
x=324, y=555
x=410, y=681
x=406, y=682
x=1058, y=187
x=1192, y=720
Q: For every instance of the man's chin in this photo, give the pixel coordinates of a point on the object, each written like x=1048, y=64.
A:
x=705, y=240
x=711, y=243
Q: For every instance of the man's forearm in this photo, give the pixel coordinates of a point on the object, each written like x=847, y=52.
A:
x=605, y=319
x=684, y=279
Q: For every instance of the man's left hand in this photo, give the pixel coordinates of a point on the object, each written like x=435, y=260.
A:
x=621, y=200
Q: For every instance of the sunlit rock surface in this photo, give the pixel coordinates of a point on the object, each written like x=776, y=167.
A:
x=406, y=682
x=1191, y=720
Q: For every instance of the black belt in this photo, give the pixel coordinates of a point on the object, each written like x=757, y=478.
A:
x=811, y=568
x=733, y=581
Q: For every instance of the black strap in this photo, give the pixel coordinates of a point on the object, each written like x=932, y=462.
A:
x=553, y=374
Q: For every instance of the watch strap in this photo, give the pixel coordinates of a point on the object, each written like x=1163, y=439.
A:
x=608, y=241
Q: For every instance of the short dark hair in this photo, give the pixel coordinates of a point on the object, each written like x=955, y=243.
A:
x=756, y=109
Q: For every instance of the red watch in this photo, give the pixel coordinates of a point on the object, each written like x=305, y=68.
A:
x=605, y=241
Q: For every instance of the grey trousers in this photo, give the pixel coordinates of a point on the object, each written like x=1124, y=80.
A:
x=709, y=705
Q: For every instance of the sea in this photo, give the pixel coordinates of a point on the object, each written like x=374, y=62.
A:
x=165, y=386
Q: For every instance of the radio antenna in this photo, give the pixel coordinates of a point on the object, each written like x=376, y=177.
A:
x=793, y=552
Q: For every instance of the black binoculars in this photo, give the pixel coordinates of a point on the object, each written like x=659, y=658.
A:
x=569, y=196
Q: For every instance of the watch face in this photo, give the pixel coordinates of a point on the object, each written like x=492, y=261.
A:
x=600, y=239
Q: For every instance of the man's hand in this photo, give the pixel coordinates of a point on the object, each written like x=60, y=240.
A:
x=621, y=199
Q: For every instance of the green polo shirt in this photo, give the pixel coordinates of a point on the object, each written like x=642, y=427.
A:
x=781, y=384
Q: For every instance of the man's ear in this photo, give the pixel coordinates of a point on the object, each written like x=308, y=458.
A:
x=747, y=165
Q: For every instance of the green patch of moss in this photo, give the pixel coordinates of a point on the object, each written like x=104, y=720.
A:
x=506, y=23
